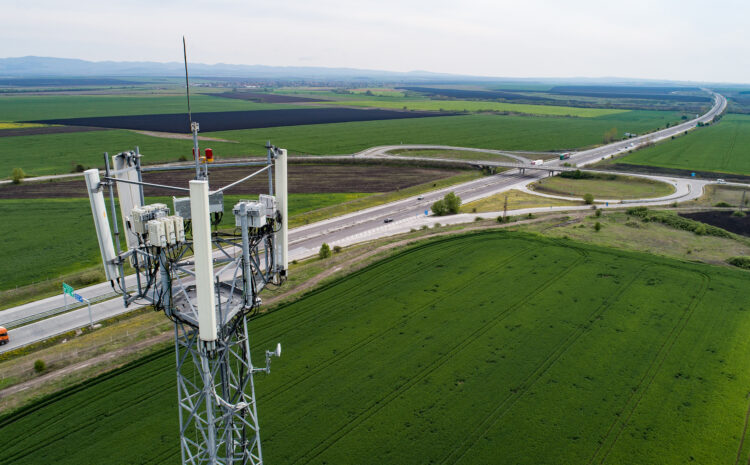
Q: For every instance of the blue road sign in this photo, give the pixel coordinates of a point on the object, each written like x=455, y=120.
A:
x=78, y=298
x=426, y=213
x=692, y=174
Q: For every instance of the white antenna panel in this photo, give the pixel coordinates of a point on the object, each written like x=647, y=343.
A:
x=101, y=223
x=282, y=200
x=204, y=265
x=128, y=194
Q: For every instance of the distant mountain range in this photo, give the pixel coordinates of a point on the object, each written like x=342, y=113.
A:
x=49, y=67
x=32, y=66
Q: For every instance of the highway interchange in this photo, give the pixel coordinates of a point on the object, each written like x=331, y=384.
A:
x=364, y=225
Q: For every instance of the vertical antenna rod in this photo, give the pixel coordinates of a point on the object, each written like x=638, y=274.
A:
x=193, y=125
x=187, y=84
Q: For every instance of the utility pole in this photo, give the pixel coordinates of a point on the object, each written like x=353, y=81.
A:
x=742, y=202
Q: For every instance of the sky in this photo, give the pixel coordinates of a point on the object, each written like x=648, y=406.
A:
x=683, y=40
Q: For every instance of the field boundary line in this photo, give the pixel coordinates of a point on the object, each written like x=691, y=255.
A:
x=496, y=414
x=437, y=363
x=650, y=374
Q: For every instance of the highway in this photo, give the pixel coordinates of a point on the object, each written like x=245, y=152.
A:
x=360, y=226
x=340, y=228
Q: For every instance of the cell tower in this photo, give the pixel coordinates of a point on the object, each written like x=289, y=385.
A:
x=206, y=281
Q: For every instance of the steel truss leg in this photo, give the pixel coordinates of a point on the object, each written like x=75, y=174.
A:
x=216, y=398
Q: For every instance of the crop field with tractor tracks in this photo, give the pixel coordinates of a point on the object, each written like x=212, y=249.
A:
x=459, y=350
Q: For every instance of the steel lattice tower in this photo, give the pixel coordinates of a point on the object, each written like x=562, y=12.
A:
x=208, y=285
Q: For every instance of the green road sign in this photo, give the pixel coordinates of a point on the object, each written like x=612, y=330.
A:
x=68, y=289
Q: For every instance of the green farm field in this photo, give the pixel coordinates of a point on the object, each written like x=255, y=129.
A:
x=602, y=187
x=516, y=200
x=722, y=148
x=39, y=107
x=69, y=243
x=478, y=106
x=465, y=350
x=59, y=153
x=499, y=132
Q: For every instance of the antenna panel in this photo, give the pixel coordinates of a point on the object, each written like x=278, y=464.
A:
x=128, y=194
x=101, y=223
x=204, y=266
x=282, y=236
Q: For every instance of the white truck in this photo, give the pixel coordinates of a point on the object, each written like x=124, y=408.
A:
x=537, y=162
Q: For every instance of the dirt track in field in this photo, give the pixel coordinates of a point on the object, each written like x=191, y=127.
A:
x=172, y=135
x=303, y=179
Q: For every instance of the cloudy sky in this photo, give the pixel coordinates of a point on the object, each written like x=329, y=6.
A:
x=663, y=39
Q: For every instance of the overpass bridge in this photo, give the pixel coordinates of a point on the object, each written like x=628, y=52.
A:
x=552, y=166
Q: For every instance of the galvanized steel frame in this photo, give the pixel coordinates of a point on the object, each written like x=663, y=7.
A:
x=216, y=398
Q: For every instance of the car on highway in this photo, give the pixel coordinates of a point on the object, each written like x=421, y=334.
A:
x=4, y=339
x=721, y=181
x=388, y=220
x=421, y=197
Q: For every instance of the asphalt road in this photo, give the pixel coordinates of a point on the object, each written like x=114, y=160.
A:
x=356, y=227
